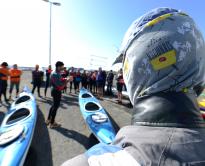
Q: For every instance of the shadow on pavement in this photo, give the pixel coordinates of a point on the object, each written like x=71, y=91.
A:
x=114, y=123
x=80, y=138
x=70, y=100
x=40, y=153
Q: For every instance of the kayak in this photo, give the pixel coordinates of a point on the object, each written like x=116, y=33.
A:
x=17, y=128
x=96, y=117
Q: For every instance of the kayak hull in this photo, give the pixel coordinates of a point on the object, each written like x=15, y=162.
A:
x=90, y=106
x=22, y=114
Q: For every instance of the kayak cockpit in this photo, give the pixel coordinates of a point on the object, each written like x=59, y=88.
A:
x=86, y=95
x=22, y=99
x=91, y=106
x=18, y=115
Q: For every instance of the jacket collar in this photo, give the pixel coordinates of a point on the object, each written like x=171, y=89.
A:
x=173, y=109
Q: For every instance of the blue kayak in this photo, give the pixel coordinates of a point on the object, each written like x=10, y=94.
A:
x=96, y=117
x=17, y=130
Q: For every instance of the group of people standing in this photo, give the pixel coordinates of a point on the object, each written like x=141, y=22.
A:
x=59, y=79
x=99, y=82
x=14, y=75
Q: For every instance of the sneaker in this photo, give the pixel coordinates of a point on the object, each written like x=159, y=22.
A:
x=47, y=122
x=55, y=125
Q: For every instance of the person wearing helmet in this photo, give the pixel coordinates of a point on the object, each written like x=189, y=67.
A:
x=163, y=56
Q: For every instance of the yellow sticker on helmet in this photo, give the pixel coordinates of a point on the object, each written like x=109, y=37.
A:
x=126, y=67
x=158, y=19
x=165, y=60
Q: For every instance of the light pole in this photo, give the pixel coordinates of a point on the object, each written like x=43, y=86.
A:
x=56, y=4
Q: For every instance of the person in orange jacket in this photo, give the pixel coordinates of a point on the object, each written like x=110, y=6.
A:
x=15, y=76
x=4, y=73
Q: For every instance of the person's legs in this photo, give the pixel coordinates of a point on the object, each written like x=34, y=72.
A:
x=100, y=90
x=103, y=89
x=49, y=114
x=11, y=89
x=110, y=89
x=39, y=88
x=34, y=87
x=75, y=86
x=46, y=87
x=0, y=90
x=78, y=85
x=56, y=104
x=96, y=88
x=107, y=90
x=71, y=86
x=65, y=89
x=4, y=88
x=17, y=88
x=91, y=87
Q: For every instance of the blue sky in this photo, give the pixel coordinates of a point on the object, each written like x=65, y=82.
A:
x=85, y=33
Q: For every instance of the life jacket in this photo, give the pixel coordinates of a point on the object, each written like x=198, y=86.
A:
x=4, y=73
x=15, y=75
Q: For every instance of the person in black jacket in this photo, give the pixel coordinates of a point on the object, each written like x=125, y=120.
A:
x=48, y=75
x=110, y=78
x=37, y=77
x=84, y=80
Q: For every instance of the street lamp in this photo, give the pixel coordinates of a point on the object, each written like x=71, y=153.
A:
x=56, y=4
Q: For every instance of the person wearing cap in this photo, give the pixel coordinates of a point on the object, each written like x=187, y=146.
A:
x=58, y=84
x=48, y=75
x=163, y=56
x=4, y=74
x=37, y=79
x=15, y=77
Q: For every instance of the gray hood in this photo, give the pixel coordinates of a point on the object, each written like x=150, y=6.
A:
x=163, y=51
